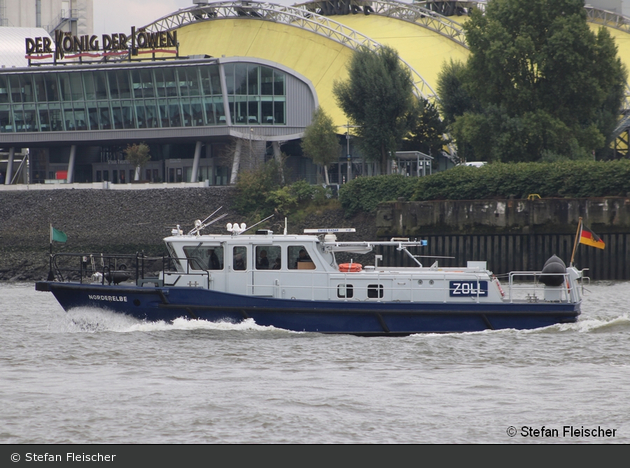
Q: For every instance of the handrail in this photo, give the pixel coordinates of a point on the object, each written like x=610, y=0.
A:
x=565, y=287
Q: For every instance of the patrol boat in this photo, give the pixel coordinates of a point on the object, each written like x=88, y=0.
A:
x=294, y=282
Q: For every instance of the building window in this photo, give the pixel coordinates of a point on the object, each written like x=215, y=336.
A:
x=170, y=97
x=257, y=94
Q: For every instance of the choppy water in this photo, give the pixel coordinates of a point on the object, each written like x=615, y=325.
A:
x=89, y=376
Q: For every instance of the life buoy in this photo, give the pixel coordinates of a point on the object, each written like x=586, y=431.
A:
x=350, y=267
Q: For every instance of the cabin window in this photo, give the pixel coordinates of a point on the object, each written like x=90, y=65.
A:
x=345, y=291
x=205, y=257
x=375, y=291
x=268, y=257
x=239, y=258
x=299, y=259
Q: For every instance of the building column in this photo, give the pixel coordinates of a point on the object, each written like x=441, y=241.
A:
x=195, y=168
x=237, y=161
x=70, y=176
x=277, y=155
x=7, y=179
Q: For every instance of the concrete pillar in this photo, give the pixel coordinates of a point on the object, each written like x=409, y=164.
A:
x=237, y=161
x=195, y=168
x=7, y=179
x=73, y=152
x=277, y=154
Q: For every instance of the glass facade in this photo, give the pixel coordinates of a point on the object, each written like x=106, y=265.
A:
x=141, y=97
x=256, y=94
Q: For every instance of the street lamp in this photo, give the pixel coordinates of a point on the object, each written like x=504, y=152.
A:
x=348, y=155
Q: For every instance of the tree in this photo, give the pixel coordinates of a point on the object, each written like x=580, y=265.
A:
x=138, y=156
x=377, y=98
x=540, y=84
x=320, y=141
x=426, y=129
x=454, y=98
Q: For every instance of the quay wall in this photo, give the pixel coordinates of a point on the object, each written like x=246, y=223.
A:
x=96, y=220
x=508, y=234
x=515, y=234
x=123, y=219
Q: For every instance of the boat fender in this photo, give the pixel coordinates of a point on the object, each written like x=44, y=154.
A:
x=350, y=267
x=553, y=265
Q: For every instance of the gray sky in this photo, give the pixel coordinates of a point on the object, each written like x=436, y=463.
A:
x=113, y=16
x=118, y=16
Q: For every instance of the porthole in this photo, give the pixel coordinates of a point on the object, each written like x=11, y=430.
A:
x=419, y=281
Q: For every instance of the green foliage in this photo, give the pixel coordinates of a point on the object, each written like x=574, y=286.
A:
x=538, y=85
x=363, y=194
x=455, y=99
x=377, y=97
x=137, y=154
x=426, y=129
x=566, y=179
x=254, y=187
x=260, y=193
x=320, y=141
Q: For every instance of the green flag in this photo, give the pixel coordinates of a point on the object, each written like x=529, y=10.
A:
x=57, y=235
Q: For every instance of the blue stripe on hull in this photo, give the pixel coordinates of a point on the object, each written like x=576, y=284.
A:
x=370, y=318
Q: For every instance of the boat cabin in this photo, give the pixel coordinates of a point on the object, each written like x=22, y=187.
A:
x=304, y=267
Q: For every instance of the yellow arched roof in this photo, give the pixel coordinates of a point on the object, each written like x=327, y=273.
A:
x=323, y=60
x=424, y=50
x=316, y=57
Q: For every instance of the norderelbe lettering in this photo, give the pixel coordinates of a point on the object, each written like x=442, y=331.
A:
x=101, y=297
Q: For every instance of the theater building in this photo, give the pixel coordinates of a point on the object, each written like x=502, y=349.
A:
x=221, y=86
x=76, y=119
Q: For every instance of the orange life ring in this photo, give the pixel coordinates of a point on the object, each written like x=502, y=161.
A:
x=350, y=267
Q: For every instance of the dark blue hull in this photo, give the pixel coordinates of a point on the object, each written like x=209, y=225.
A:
x=360, y=318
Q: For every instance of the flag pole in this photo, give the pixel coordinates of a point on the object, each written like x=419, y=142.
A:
x=51, y=275
x=577, y=234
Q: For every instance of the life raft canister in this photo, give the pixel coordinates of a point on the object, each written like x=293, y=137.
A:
x=350, y=267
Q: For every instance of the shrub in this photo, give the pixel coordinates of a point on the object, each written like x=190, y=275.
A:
x=567, y=179
x=365, y=193
x=259, y=193
x=254, y=187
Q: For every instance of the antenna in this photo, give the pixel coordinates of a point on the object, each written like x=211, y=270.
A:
x=285, y=225
x=199, y=225
x=258, y=223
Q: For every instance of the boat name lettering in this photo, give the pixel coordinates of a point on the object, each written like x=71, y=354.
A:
x=468, y=288
x=99, y=297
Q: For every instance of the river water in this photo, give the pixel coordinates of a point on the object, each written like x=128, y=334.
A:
x=88, y=377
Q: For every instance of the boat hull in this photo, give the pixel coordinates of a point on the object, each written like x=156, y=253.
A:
x=347, y=317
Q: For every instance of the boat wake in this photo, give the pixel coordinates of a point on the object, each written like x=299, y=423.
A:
x=188, y=324
x=94, y=320
x=588, y=325
x=599, y=325
x=591, y=325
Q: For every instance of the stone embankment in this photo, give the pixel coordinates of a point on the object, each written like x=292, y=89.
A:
x=121, y=221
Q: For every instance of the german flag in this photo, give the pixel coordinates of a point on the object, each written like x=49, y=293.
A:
x=588, y=237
